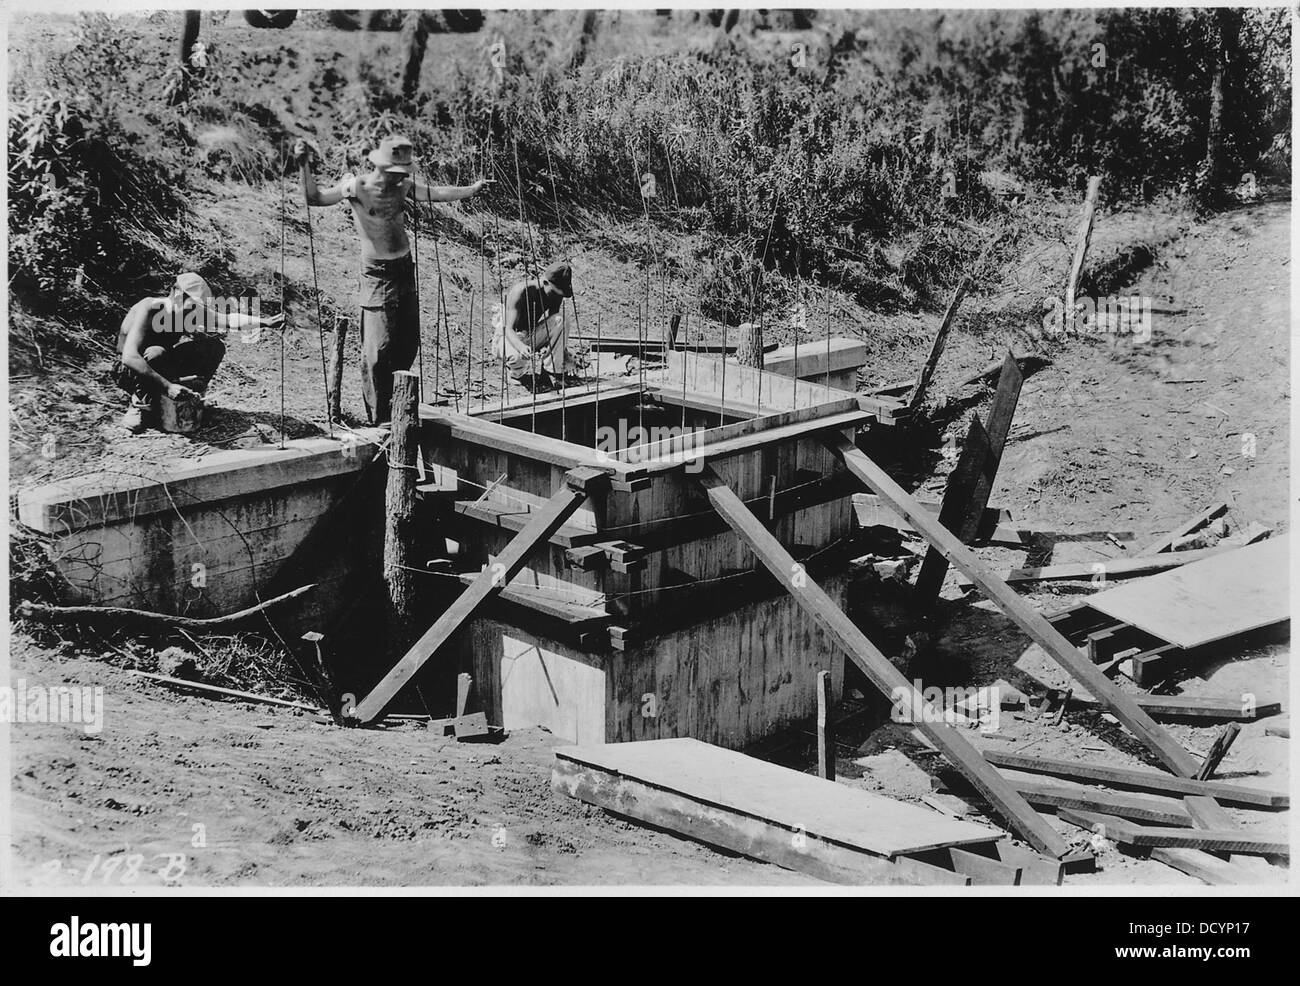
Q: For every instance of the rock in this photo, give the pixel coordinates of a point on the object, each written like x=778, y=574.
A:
x=177, y=663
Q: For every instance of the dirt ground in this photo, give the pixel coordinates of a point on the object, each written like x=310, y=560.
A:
x=1113, y=436
x=1104, y=443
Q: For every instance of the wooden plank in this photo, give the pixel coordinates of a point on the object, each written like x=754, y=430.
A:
x=1114, y=568
x=1210, y=600
x=938, y=344
x=1161, y=811
x=1211, y=869
x=998, y=427
x=1166, y=541
x=1141, y=780
x=1207, y=813
x=203, y=688
x=489, y=583
x=1222, y=840
x=739, y=832
x=1218, y=750
x=983, y=870
x=877, y=667
x=1123, y=707
x=1209, y=708
x=1035, y=870
x=791, y=799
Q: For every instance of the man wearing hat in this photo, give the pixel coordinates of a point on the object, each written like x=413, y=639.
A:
x=526, y=338
x=165, y=340
x=390, y=312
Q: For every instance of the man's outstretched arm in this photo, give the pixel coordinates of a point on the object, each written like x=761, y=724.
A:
x=446, y=193
x=330, y=196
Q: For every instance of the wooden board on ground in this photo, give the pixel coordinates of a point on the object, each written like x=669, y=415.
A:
x=1208, y=600
x=833, y=826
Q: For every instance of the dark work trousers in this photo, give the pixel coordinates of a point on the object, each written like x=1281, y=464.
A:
x=390, y=330
x=193, y=356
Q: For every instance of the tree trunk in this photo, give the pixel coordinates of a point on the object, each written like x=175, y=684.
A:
x=399, y=502
x=1226, y=28
x=336, y=368
x=189, y=36
x=582, y=43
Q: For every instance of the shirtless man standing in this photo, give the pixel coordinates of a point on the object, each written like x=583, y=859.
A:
x=390, y=311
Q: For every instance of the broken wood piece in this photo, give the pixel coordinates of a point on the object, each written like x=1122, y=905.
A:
x=761, y=810
x=877, y=668
x=1218, y=750
x=1122, y=706
x=1137, y=779
x=1166, y=541
x=1280, y=728
x=1035, y=870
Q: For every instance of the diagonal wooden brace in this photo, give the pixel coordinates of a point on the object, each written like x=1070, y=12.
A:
x=545, y=521
x=1118, y=704
x=878, y=669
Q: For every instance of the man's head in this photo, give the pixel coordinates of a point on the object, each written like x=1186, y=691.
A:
x=192, y=288
x=559, y=277
x=393, y=159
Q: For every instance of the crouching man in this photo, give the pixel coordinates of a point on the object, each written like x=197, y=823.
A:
x=525, y=336
x=164, y=341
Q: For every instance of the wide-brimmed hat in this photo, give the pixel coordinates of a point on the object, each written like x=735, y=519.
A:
x=195, y=287
x=560, y=276
x=394, y=154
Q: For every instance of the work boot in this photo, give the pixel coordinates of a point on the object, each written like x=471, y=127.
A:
x=137, y=416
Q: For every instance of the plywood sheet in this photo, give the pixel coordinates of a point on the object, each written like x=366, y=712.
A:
x=1208, y=600
x=799, y=802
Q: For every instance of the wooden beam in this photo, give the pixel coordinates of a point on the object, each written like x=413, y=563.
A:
x=1141, y=780
x=1193, y=706
x=1210, y=869
x=399, y=570
x=1140, y=808
x=1120, y=705
x=937, y=346
x=1166, y=541
x=877, y=667
x=489, y=583
x=1114, y=568
x=1220, y=840
x=203, y=688
x=1218, y=750
x=1207, y=813
x=969, y=489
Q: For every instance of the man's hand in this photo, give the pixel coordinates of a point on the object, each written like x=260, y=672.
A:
x=177, y=392
x=275, y=321
x=479, y=185
x=303, y=151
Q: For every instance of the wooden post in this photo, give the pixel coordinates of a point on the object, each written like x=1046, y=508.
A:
x=336, y=368
x=937, y=346
x=1081, y=249
x=971, y=482
x=399, y=505
x=825, y=728
x=1218, y=750
x=749, y=347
